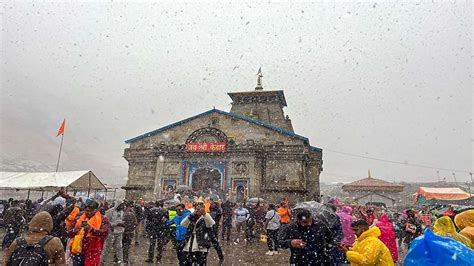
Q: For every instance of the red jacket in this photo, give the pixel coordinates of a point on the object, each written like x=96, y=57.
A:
x=388, y=235
x=92, y=245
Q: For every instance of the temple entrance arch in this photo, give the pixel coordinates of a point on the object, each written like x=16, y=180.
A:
x=206, y=179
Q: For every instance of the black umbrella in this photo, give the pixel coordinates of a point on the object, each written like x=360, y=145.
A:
x=320, y=211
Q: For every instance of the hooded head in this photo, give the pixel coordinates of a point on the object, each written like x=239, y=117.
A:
x=55, y=209
x=384, y=218
x=347, y=209
x=444, y=225
x=333, y=203
x=41, y=222
x=464, y=219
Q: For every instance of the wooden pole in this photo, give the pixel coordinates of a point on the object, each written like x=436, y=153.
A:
x=60, y=148
x=470, y=184
x=89, y=188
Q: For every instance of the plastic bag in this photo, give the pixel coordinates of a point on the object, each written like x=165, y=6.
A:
x=430, y=249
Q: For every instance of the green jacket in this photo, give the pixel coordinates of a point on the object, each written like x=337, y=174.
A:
x=171, y=215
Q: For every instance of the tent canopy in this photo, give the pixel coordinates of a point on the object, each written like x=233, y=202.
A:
x=442, y=193
x=73, y=180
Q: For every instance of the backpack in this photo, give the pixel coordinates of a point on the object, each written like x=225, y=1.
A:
x=25, y=254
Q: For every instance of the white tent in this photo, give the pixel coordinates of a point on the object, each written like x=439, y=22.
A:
x=72, y=180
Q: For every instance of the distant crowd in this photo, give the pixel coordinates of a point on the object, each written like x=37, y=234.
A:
x=90, y=233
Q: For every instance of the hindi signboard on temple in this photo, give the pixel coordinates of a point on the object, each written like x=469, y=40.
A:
x=206, y=147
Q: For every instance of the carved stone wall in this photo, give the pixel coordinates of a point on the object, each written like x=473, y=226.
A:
x=172, y=168
x=240, y=168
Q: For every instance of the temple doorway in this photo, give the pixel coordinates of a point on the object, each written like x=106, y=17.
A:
x=240, y=193
x=207, y=180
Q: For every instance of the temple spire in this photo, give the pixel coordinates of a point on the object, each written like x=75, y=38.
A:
x=259, y=80
x=369, y=174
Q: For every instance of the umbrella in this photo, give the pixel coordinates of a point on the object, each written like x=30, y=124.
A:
x=256, y=200
x=321, y=212
x=169, y=203
x=183, y=188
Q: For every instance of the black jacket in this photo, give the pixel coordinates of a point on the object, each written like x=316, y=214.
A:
x=318, y=240
x=203, y=234
x=216, y=213
x=156, y=221
x=59, y=216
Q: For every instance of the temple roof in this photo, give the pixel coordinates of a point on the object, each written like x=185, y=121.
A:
x=372, y=184
x=231, y=115
x=257, y=96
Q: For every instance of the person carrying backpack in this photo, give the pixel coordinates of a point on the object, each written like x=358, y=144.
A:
x=37, y=247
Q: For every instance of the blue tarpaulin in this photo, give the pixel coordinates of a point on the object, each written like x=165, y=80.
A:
x=430, y=249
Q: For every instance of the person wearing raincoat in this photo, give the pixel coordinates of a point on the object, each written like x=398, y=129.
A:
x=368, y=249
x=465, y=222
x=388, y=235
x=345, y=215
x=444, y=227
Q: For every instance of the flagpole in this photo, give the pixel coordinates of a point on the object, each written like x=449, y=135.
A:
x=60, y=148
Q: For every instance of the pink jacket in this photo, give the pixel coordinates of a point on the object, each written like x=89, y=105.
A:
x=345, y=215
x=388, y=235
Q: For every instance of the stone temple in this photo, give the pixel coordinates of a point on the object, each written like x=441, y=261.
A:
x=251, y=151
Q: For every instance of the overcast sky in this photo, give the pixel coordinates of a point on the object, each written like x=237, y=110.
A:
x=385, y=80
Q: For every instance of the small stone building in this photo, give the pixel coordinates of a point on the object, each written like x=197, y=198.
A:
x=251, y=151
x=373, y=191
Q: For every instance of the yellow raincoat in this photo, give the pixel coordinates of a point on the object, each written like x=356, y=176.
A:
x=465, y=222
x=444, y=227
x=369, y=250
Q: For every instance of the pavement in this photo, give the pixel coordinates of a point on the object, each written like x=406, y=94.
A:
x=236, y=252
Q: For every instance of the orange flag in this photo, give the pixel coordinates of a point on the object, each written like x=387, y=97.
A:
x=61, y=128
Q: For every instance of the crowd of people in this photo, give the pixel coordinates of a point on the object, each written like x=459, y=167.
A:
x=333, y=233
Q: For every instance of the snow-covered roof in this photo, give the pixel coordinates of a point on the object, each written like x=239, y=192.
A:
x=73, y=180
x=231, y=115
x=372, y=184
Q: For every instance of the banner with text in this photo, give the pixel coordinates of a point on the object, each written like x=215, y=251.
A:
x=206, y=147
